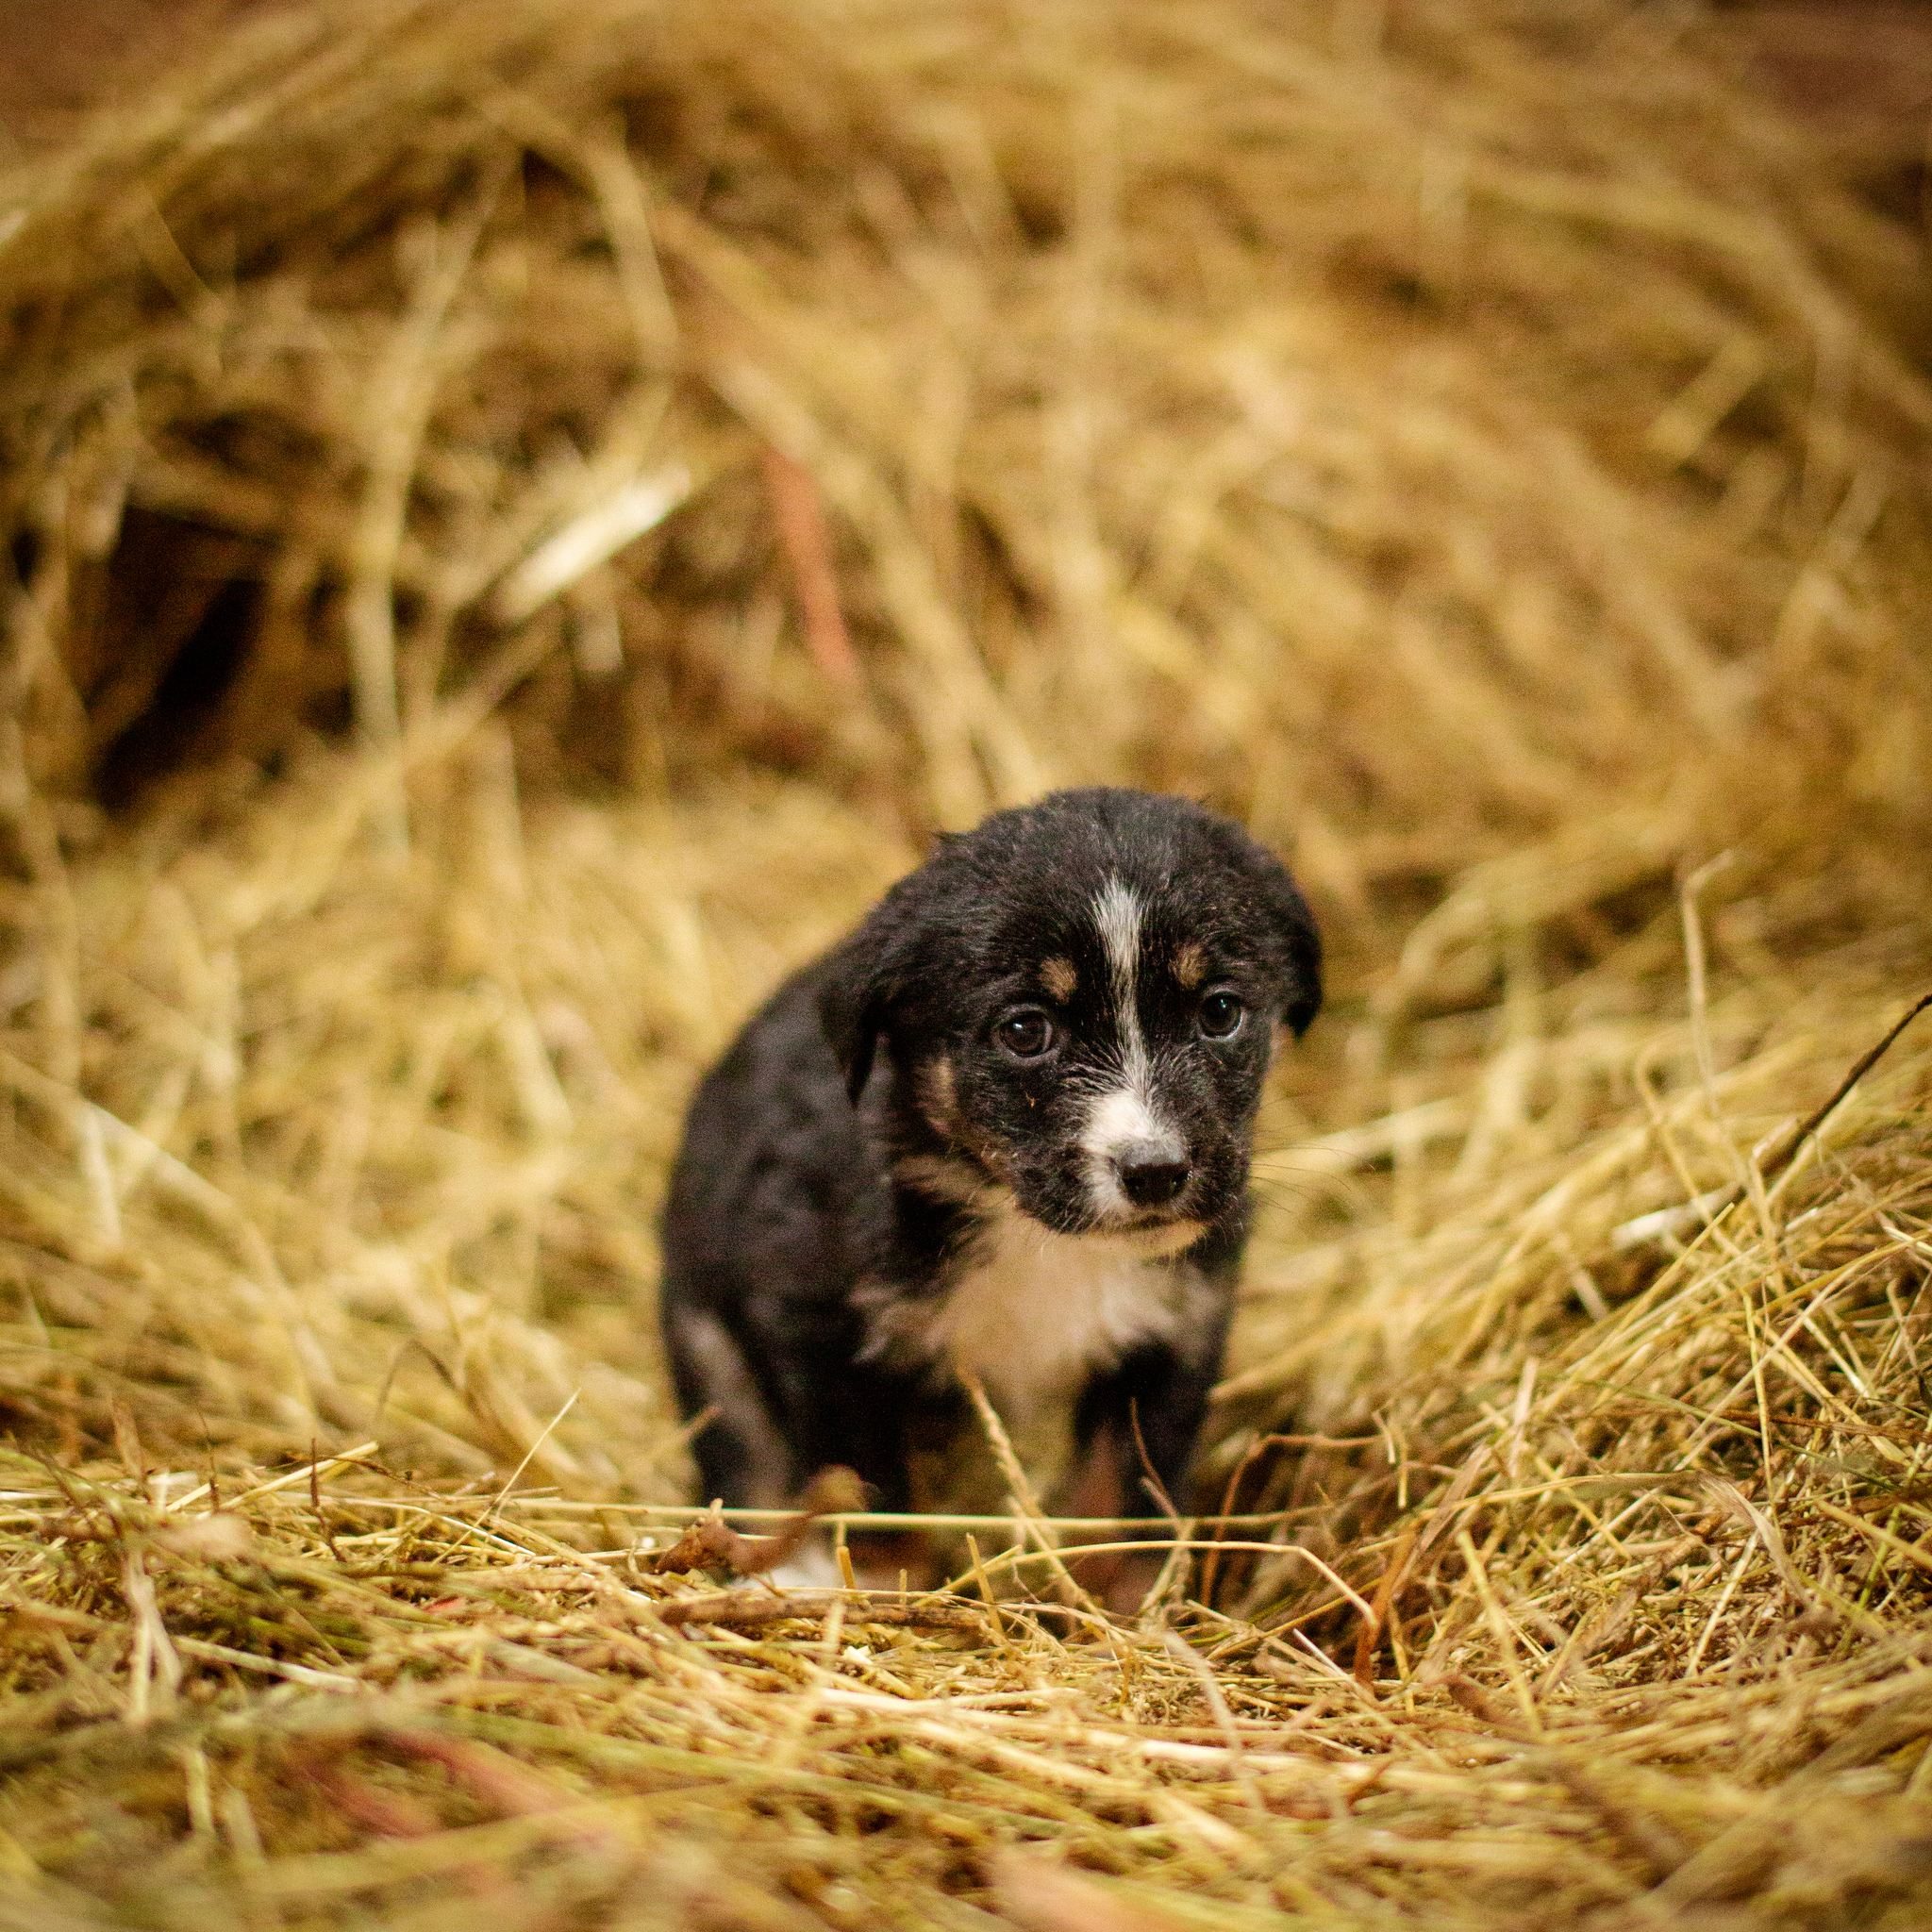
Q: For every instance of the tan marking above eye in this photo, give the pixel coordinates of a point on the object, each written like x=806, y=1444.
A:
x=1191, y=965
x=1059, y=979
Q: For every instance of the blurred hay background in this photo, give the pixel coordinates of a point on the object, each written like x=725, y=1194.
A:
x=1481, y=447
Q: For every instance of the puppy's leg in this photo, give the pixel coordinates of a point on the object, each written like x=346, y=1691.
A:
x=740, y=1453
x=838, y=1412
x=1120, y=1579
x=1153, y=1402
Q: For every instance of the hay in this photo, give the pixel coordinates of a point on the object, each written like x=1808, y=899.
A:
x=523, y=519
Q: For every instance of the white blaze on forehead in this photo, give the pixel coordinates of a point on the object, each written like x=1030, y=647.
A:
x=1124, y=1115
x=1117, y=912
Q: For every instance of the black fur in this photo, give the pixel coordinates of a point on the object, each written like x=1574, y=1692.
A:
x=884, y=1124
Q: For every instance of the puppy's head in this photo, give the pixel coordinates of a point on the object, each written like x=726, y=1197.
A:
x=1077, y=1002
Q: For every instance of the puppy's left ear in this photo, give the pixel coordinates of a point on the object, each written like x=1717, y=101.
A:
x=853, y=999
x=1294, y=941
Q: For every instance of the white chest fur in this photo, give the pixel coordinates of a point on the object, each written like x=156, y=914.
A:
x=1032, y=1311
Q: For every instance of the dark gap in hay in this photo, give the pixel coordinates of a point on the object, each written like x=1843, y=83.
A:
x=182, y=606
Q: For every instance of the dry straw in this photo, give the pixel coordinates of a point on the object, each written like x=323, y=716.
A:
x=523, y=518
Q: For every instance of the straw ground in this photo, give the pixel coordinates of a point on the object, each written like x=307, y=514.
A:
x=523, y=519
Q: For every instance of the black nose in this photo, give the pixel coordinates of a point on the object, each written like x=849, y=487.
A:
x=1150, y=1175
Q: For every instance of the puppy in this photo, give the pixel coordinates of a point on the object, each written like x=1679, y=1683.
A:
x=1006, y=1128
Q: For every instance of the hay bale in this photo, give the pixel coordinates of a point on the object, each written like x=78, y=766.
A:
x=522, y=521
x=1189, y=396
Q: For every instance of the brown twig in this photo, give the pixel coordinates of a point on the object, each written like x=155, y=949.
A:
x=750, y=1609
x=1863, y=1065
x=801, y=520
x=711, y=1544
x=1369, y=1637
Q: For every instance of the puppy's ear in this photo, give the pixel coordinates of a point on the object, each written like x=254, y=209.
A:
x=1291, y=929
x=852, y=998
x=882, y=974
x=1299, y=1015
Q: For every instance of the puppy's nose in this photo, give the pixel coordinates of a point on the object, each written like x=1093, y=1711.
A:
x=1151, y=1173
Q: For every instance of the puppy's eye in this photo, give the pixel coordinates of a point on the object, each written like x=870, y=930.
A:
x=1221, y=1015
x=1024, y=1036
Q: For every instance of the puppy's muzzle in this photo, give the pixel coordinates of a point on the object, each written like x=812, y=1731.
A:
x=1151, y=1173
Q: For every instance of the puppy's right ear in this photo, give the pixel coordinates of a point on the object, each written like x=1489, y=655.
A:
x=852, y=998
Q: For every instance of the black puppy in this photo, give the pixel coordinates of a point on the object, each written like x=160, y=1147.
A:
x=1005, y=1125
